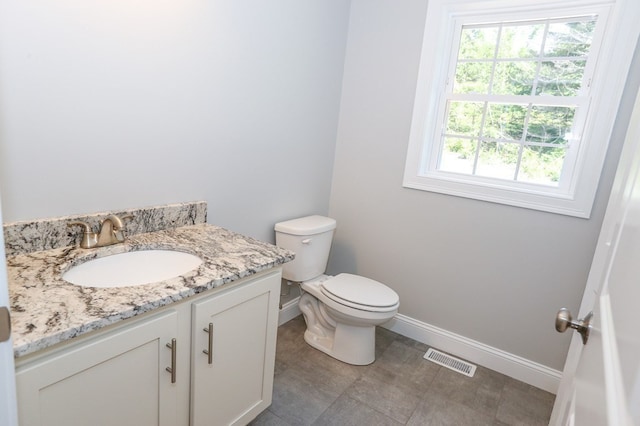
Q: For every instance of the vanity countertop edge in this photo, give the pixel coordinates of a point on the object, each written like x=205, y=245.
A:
x=46, y=310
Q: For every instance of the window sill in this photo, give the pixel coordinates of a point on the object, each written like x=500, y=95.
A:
x=495, y=192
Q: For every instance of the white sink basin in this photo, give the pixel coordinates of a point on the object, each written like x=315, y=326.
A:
x=132, y=268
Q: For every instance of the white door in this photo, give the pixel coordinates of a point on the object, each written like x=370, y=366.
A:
x=8, y=410
x=601, y=380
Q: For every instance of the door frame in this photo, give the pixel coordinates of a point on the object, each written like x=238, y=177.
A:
x=8, y=400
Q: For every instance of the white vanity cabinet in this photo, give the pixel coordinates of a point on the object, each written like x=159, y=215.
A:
x=119, y=376
x=233, y=353
x=116, y=379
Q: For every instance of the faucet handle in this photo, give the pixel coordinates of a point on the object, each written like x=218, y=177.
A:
x=118, y=227
x=89, y=238
x=85, y=225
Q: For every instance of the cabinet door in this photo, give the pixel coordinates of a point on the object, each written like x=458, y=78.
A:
x=116, y=379
x=238, y=384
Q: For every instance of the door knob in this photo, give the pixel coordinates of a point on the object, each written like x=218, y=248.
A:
x=564, y=320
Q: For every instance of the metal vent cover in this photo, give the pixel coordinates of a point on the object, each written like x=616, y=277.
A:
x=450, y=362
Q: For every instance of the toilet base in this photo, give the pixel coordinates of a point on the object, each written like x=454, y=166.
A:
x=350, y=344
x=353, y=344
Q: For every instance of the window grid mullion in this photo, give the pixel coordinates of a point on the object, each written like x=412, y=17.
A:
x=566, y=101
x=536, y=78
x=511, y=141
x=523, y=139
x=534, y=89
x=493, y=61
x=529, y=59
x=477, y=156
x=485, y=106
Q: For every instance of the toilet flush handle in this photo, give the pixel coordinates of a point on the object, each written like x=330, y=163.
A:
x=307, y=241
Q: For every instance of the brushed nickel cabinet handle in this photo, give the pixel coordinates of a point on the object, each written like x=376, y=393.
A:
x=209, y=350
x=5, y=324
x=173, y=346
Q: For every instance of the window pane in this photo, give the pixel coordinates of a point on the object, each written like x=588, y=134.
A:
x=478, y=43
x=458, y=155
x=550, y=124
x=514, y=78
x=560, y=78
x=569, y=38
x=521, y=41
x=541, y=165
x=505, y=121
x=472, y=77
x=516, y=141
x=498, y=160
x=464, y=118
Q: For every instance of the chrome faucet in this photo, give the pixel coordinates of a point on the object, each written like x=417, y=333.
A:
x=111, y=232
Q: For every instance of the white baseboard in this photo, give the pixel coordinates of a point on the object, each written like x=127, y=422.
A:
x=498, y=360
x=289, y=311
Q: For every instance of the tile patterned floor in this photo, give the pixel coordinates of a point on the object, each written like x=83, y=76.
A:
x=399, y=388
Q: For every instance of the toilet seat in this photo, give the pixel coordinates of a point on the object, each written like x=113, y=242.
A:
x=360, y=293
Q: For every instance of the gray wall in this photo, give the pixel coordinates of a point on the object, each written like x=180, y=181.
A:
x=489, y=272
x=118, y=104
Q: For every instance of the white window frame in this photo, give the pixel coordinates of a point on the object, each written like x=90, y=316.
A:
x=573, y=197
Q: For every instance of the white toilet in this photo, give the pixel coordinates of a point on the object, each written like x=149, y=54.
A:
x=341, y=312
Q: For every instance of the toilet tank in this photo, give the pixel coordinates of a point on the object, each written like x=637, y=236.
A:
x=310, y=239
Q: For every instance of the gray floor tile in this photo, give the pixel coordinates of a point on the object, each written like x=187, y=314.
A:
x=436, y=409
x=414, y=344
x=346, y=411
x=524, y=405
x=382, y=390
x=288, y=343
x=400, y=387
x=267, y=418
x=481, y=392
x=384, y=338
x=297, y=400
x=408, y=366
x=324, y=372
x=511, y=384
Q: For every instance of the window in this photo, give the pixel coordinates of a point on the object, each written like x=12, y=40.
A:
x=514, y=91
x=520, y=109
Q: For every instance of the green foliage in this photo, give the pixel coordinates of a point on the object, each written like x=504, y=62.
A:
x=478, y=43
x=542, y=164
x=464, y=148
x=549, y=124
x=537, y=164
x=570, y=38
x=465, y=118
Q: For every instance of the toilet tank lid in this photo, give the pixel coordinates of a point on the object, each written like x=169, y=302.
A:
x=308, y=225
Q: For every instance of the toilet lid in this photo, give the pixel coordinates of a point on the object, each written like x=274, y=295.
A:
x=360, y=291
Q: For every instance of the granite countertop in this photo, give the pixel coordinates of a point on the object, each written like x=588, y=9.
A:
x=46, y=310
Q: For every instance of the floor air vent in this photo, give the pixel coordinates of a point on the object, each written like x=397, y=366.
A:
x=450, y=362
